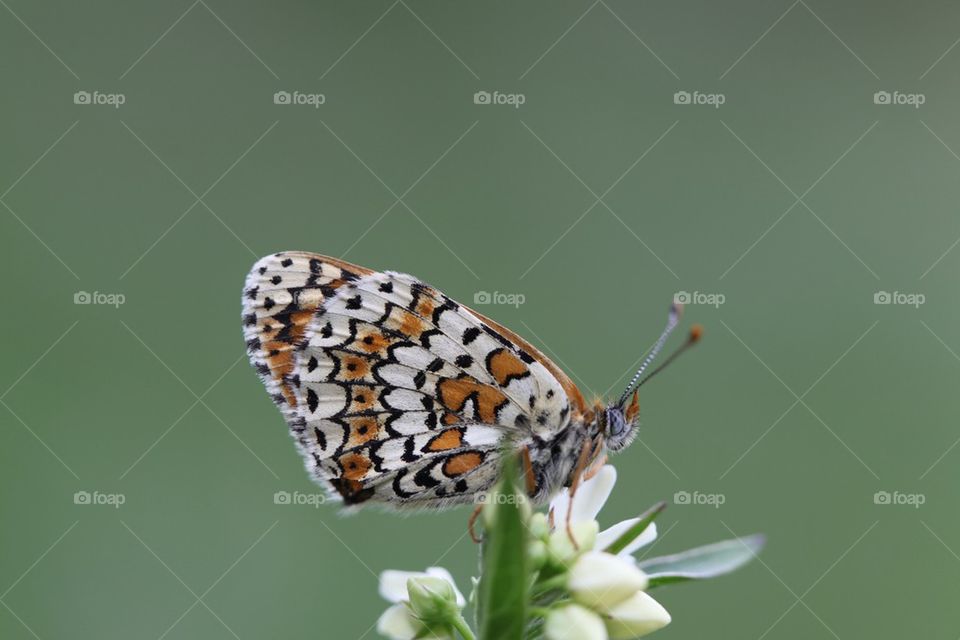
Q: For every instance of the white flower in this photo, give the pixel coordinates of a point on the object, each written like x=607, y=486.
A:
x=609, y=535
x=602, y=580
x=397, y=623
x=436, y=597
x=573, y=622
x=589, y=499
x=636, y=616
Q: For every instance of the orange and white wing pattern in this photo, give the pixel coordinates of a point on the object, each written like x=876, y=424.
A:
x=281, y=295
x=395, y=393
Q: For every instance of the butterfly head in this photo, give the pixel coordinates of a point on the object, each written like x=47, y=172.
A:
x=619, y=424
x=619, y=421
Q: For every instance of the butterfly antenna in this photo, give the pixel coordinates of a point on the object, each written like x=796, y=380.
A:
x=696, y=331
x=676, y=310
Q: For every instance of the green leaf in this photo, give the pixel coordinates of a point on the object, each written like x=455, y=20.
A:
x=633, y=532
x=703, y=562
x=505, y=576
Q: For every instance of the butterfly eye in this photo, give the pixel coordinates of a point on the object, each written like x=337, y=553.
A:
x=616, y=424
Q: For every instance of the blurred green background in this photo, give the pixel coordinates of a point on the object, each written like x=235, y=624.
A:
x=597, y=199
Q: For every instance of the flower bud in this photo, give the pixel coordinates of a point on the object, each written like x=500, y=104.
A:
x=562, y=547
x=636, y=616
x=537, y=552
x=432, y=599
x=539, y=526
x=602, y=580
x=573, y=622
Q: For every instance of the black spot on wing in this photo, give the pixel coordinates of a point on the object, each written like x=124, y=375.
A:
x=423, y=477
x=397, y=490
x=350, y=492
x=408, y=453
x=321, y=438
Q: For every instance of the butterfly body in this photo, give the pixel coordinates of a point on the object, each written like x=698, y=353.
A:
x=398, y=395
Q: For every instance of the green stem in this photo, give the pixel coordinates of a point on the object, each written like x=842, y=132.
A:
x=556, y=582
x=461, y=626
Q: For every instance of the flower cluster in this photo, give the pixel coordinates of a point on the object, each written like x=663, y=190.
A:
x=587, y=578
x=583, y=583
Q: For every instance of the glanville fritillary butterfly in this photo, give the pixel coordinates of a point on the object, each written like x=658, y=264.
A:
x=399, y=396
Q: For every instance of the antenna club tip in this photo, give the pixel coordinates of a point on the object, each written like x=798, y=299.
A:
x=696, y=332
x=676, y=309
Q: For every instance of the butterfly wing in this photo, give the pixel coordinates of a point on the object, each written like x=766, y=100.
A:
x=281, y=294
x=397, y=394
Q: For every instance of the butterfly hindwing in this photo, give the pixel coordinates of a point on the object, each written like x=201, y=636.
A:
x=443, y=466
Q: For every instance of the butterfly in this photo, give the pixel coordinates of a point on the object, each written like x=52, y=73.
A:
x=397, y=395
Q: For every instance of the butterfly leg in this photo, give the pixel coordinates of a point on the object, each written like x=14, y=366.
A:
x=598, y=463
x=472, y=521
x=529, y=477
